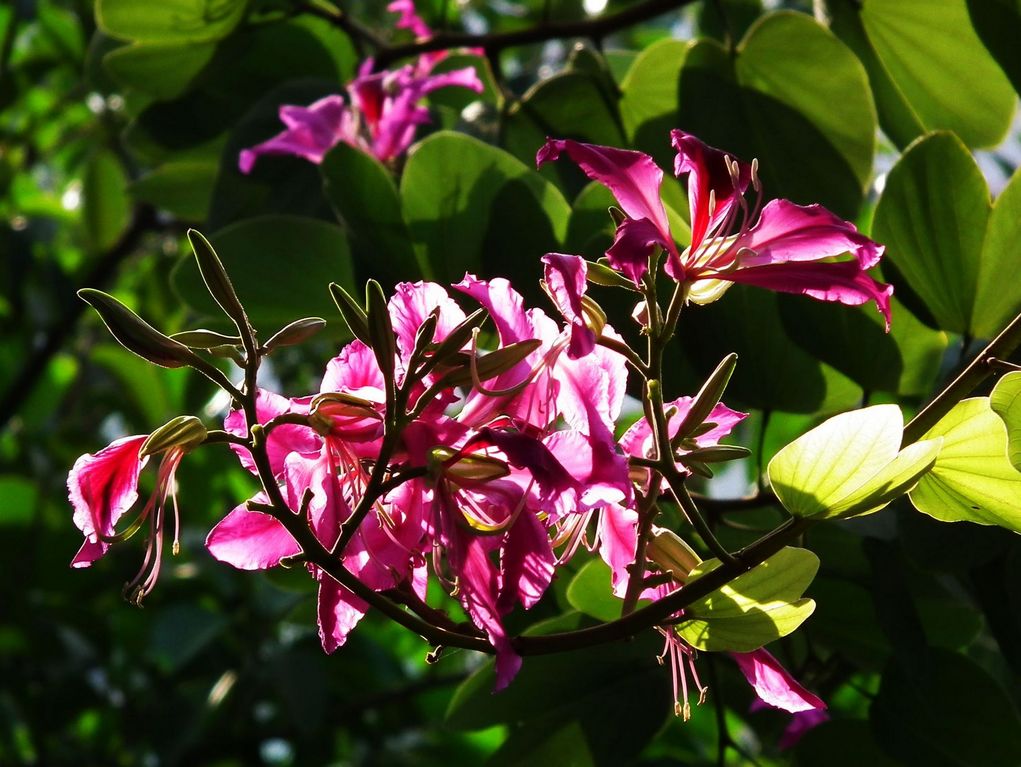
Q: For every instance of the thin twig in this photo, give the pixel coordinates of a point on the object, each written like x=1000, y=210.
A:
x=498, y=41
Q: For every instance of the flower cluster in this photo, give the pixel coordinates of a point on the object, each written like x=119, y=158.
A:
x=424, y=459
x=381, y=111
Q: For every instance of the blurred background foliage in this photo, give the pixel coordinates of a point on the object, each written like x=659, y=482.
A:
x=120, y=126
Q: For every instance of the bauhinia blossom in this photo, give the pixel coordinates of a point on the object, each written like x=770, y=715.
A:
x=380, y=115
x=495, y=474
x=103, y=487
x=788, y=247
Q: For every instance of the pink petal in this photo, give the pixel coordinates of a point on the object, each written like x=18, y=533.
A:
x=311, y=132
x=633, y=177
x=635, y=241
x=101, y=488
x=339, y=612
x=251, y=540
x=409, y=18
x=708, y=175
x=412, y=303
x=788, y=232
x=318, y=472
x=565, y=278
x=599, y=471
x=355, y=371
x=773, y=684
x=527, y=563
x=843, y=282
x=618, y=542
x=282, y=440
x=478, y=581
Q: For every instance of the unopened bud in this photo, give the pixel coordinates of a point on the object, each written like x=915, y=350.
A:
x=184, y=431
x=352, y=312
x=205, y=339
x=326, y=410
x=217, y=282
x=295, y=333
x=492, y=364
x=716, y=454
x=595, y=317
x=672, y=554
x=135, y=334
x=708, y=397
x=598, y=273
x=467, y=468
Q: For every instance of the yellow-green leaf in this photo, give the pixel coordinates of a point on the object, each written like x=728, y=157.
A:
x=755, y=608
x=849, y=465
x=972, y=480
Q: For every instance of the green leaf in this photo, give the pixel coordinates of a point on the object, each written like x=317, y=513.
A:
x=473, y=207
x=649, y=100
x=929, y=69
x=364, y=195
x=182, y=187
x=611, y=698
x=1005, y=401
x=933, y=238
x=590, y=592
x=281, y=267
x=163, y=71
x=191, y=21
x=755, y=608
x=998, y=24
x=105, y=208
x=947, y=711
x=972, y=480
x=853, y=340
x=769, y=102
x=994, y=307
x=570, y=104
x=849, y=465
x=773, y=372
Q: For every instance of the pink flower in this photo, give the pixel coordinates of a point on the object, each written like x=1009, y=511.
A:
x=104, y=486
x=639, y=441
x=380, y=118
x=789, y=248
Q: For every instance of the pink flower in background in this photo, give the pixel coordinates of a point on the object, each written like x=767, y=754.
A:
x=380, y=117
x=789, y=248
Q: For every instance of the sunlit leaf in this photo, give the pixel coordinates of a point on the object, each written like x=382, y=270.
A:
x=972, y=479
x=849, y=465
x=755, y=608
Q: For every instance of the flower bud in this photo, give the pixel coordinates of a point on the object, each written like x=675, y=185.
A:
x=135, y=334
x=708, y=397
x=352, y=312
x=595, y=317
x=204, y=339
x=672, y=554
x=184, y=431
x=217, y=282
x=467, y=468
x=295, y=333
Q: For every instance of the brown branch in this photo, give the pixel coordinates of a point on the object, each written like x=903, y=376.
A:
x=495, y=42
x=977, y=371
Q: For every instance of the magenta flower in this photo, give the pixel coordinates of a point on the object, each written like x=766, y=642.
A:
x=104, y=486
x=789, y=248
x=380, y=118
x=639, y=441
